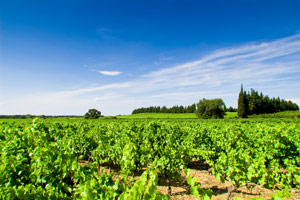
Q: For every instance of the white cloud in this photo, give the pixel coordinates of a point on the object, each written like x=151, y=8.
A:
x=110, y=73
x=297, y=101
x=82, y=91
x=272, y=67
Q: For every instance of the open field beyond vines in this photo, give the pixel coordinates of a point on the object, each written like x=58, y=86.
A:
x=149, y=159
x=169, y=116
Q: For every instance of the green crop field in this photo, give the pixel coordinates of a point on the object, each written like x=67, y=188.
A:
x=159, y=116
x=168, y=116
x=65, y=158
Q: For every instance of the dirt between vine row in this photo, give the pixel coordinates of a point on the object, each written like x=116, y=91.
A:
x=220, y=190
x=180, y=189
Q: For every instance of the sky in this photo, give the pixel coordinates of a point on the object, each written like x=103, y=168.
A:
x=63, y=57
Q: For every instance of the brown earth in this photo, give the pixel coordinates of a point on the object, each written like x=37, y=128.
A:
x=180, y=189
x=219, y=189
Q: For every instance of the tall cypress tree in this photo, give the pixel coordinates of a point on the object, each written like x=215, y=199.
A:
x=242, y=104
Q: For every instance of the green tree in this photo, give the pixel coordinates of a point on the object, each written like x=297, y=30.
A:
x=92, y=114
x=254, y=102
x=210, y=108
x=231, y=109
x=242, y=104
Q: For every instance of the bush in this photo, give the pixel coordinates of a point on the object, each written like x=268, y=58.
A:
x=211, y=109
x=92, y=114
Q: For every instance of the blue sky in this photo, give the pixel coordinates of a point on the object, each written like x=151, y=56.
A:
x=64, y=57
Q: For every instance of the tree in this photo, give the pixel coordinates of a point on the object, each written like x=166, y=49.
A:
x=242, y=110
x=214, y=108
x=253, y=104
x=231, y=109
x=92, y=114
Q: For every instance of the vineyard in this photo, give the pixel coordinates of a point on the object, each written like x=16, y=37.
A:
x=73, y=159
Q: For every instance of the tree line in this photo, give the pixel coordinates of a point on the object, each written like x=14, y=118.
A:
x=175, y=109
x=252, y=102
x=164, y=109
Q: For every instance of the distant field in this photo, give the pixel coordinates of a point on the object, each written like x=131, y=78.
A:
x=231, y=115
x=159, y=115
x=285, y=114
x=168, y=115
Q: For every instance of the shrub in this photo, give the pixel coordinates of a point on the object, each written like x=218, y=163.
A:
x=211, y=109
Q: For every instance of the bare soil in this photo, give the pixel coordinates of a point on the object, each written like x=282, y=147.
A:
x=200, y=170
x=180, y=189
x=219, y=189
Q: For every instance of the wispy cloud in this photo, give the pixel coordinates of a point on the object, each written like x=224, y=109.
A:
x=82, y=91
x=165, y=58
x=270, y=66
x=110, y=73
x=162, y=60
x=252, y=64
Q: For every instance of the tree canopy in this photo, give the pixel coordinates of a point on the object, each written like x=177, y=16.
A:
x=92, y=114
x=252, y=102
x=211, y=108
x=242, y=109
x=164, y=109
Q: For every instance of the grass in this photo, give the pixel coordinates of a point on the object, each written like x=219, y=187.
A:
x=230, y=115
x=168, y=116
x=159, y=116
x=285, y=114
